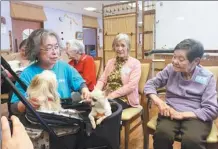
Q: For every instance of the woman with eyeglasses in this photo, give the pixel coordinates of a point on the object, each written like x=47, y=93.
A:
x=43, y=48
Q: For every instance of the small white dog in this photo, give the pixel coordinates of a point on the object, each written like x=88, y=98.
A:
x=44, y=88
x=100, y=107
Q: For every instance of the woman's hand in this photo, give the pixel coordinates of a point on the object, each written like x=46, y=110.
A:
x=109, y=97
x=34, y=102
x=19, y=139
x=85, y=94
x=164, y=109
x=176, y=115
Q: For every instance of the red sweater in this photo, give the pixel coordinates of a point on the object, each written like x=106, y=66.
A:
x=86, y=67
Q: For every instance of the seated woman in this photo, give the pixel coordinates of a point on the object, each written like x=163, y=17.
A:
x=23, y=59
x=83, y=63
x=122, y=74
x=191, y=98
x=43, y=49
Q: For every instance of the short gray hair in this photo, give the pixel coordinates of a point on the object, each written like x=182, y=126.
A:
x=37, y=39
x=76, y=45
x=120, y=37
x=195, y=48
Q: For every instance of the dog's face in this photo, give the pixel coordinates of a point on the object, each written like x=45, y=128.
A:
x=97, y=96
x=43, y=86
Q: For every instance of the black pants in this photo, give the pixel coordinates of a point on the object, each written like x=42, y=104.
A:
x=122, y=103
x=194, y=133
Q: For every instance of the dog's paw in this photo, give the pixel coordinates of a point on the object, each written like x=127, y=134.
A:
x=93, y=125
x=98, y=121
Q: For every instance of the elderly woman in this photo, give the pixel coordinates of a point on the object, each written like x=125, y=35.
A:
x=23, y=59
x=83, y=63
x=122, y=74
x=43, y=47
x=191, y=99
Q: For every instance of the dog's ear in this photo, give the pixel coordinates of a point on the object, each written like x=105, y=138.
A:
x=36, y=81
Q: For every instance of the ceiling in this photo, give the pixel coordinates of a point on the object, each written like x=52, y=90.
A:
x=75, y=6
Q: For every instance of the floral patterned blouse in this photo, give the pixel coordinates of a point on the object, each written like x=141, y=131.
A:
x=114, y=81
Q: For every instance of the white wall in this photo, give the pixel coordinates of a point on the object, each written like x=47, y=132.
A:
x=69, y=30
x=5, y=12
x=178, y=20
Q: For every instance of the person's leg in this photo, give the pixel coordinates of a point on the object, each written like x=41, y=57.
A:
x=194, y=133
x=165, y=133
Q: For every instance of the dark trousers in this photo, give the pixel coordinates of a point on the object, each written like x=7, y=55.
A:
x=194, y=133
x=122, y=103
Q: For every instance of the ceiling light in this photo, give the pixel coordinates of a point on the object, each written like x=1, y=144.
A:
x=123, y=1
x=90, y=8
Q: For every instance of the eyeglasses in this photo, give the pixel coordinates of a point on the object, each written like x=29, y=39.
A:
x=49, y=48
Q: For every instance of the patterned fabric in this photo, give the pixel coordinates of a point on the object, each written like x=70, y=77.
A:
x=114, y=81
x=40, y=138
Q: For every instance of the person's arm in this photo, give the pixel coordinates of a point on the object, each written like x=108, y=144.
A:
x=209, y=105
x=151, y=86
x=77, y=83
x=89, y=71
x=75, y=80
x=102, y=81
x=16, y=105
x=132, y=84
x=158, y=81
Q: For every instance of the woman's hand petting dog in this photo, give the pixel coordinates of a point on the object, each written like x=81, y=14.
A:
x=19, y=139
x=86, y=94
x=34, y=102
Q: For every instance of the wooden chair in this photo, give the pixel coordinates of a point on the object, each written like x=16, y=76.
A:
x=4, y=98
x=150, y=124
x=98, y=64
x=129, y=115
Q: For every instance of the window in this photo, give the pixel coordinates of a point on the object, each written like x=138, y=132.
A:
x=26, y=33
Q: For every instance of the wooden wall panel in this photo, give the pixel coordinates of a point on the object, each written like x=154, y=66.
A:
x=108, y=55
x=149, y=22
x=148, y=30
x=148, y=41
x=114, y=25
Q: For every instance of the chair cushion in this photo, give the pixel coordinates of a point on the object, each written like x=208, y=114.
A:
x=129, y=113
x=212, y=138
x=152, y=123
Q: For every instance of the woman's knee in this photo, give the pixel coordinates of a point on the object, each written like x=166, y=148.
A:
x=164, y=134
x=193, y=141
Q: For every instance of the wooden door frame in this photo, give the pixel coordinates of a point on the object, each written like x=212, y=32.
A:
x=96, y=34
